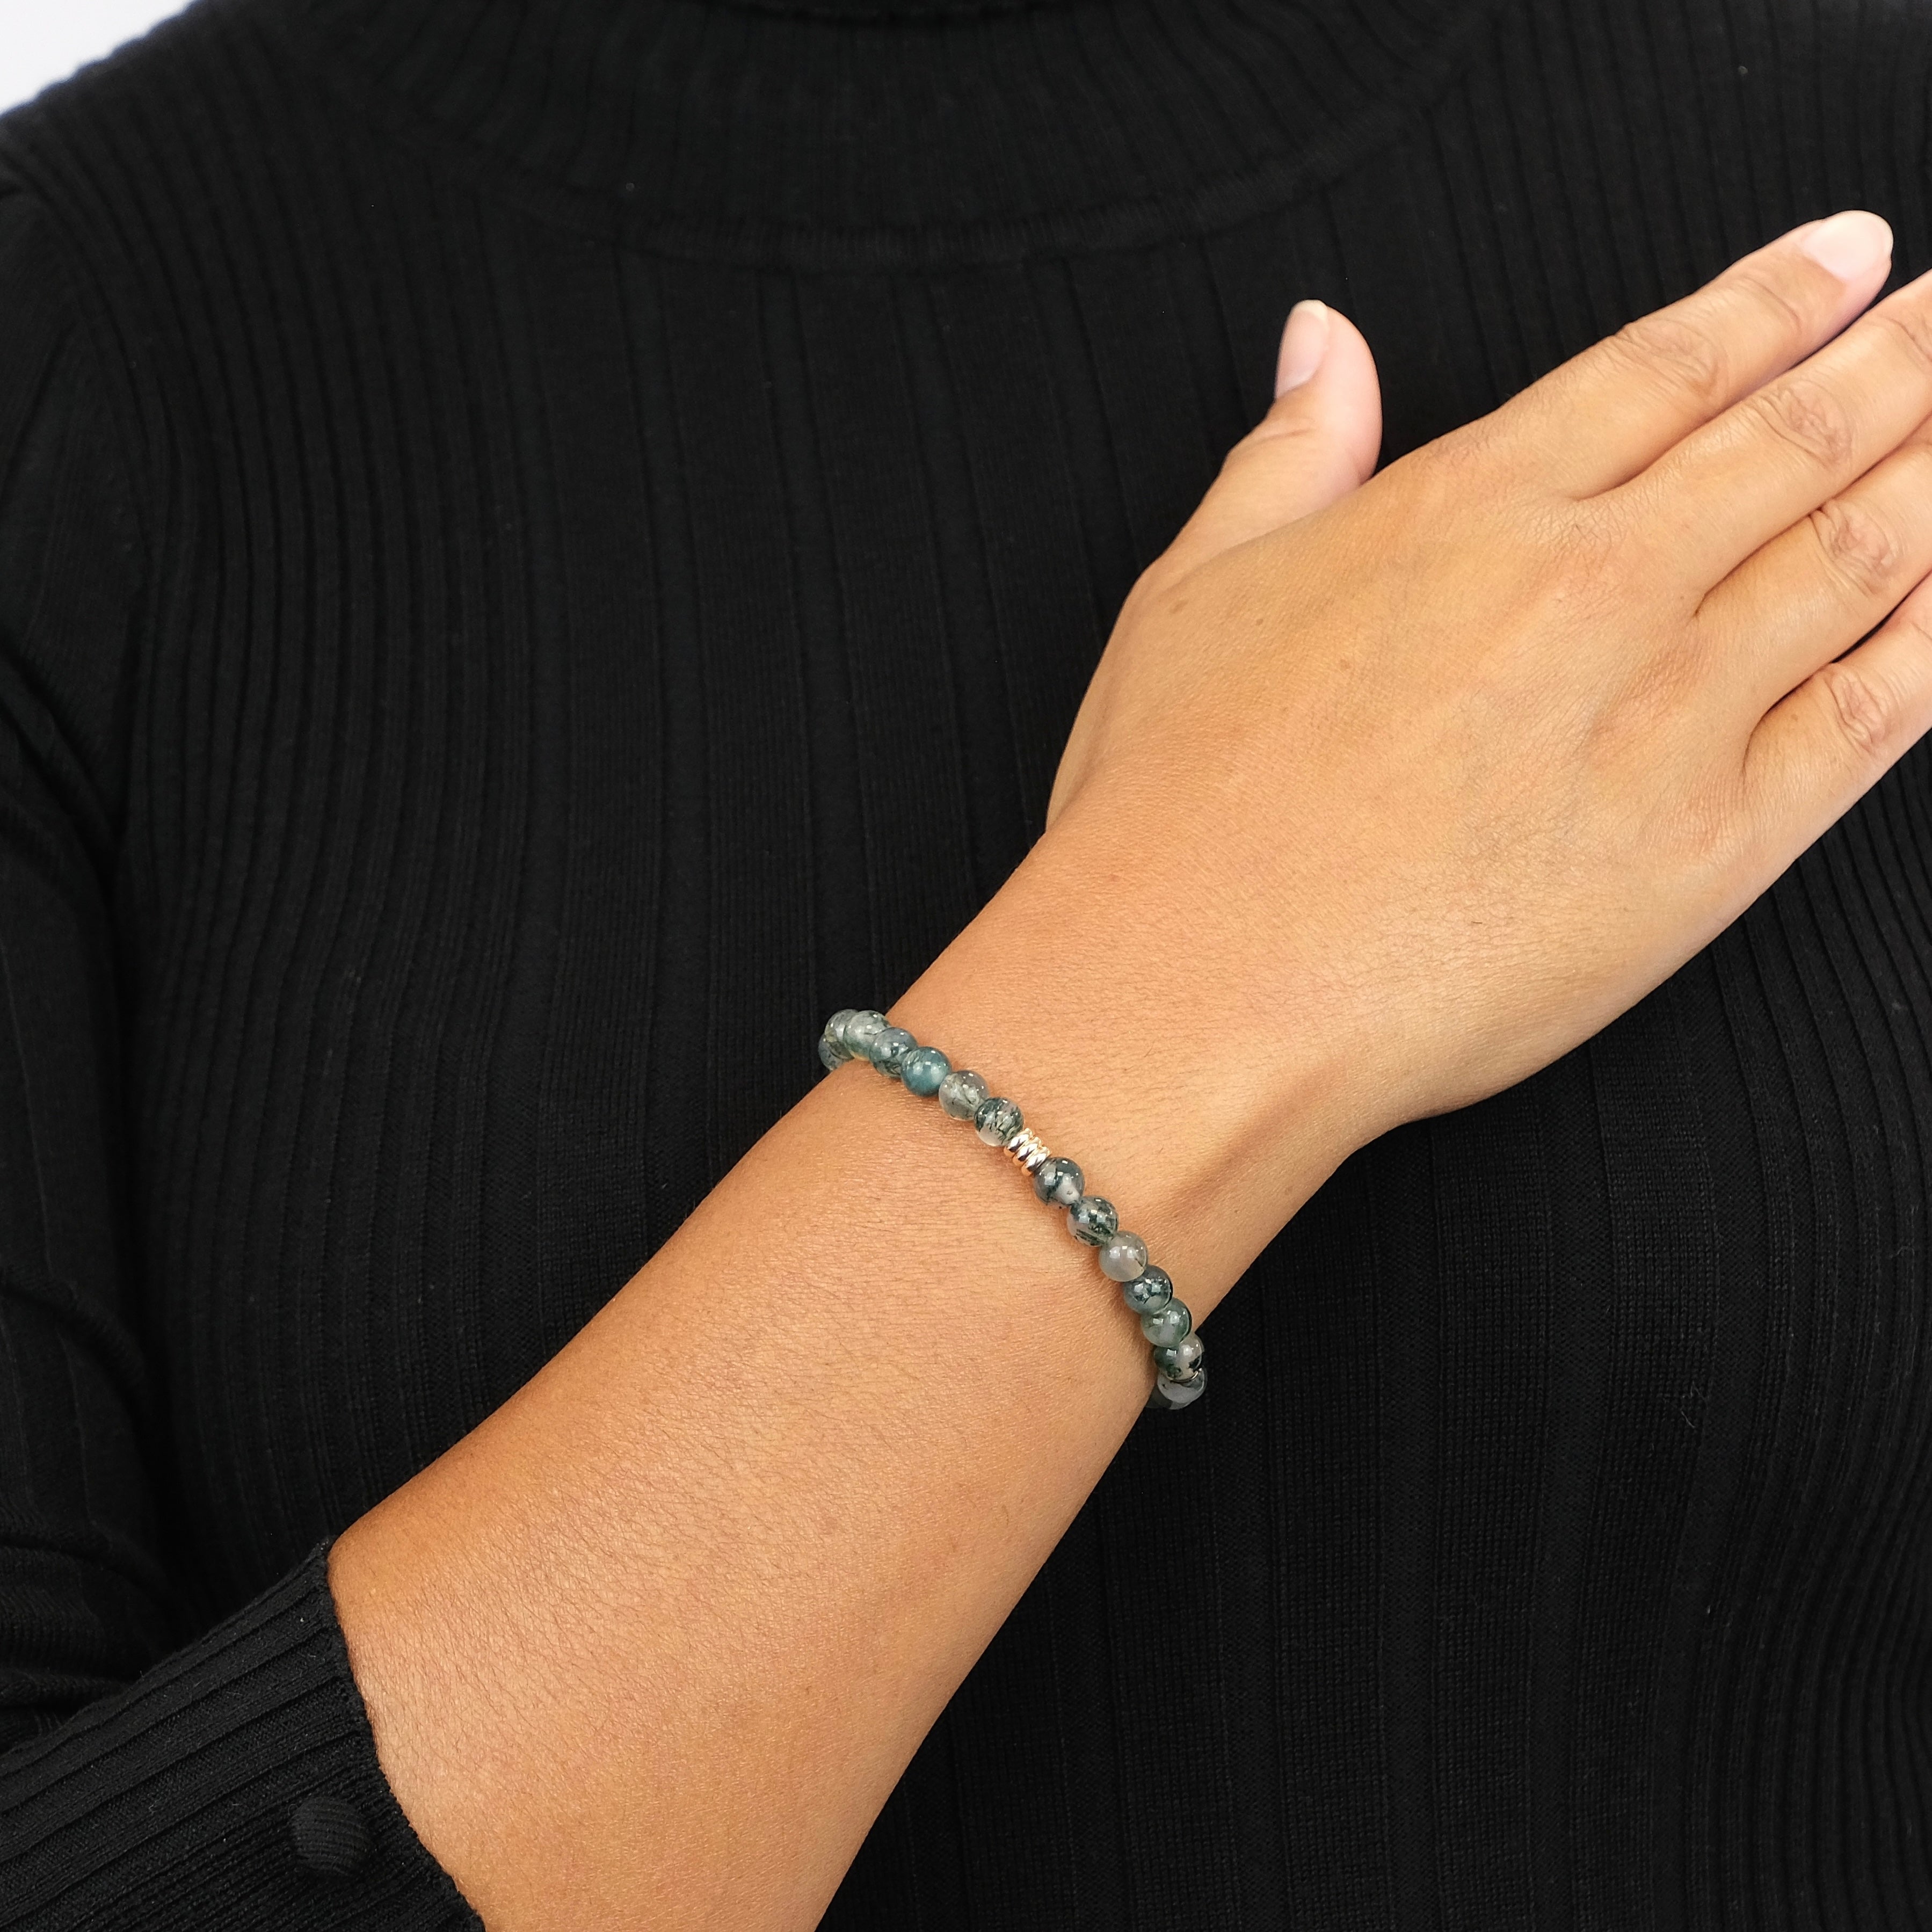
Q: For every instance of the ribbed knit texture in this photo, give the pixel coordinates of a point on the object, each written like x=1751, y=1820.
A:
x=543, y=547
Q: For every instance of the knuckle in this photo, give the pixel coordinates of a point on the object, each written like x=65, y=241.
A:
x=1807, y=417
x=1464, y=455
x=1773, y=300
x=1911, y=329
x=1591, y=553
x=1439, y=481
x=1664, y=685
x=1604, y=552
x=1864, y=709
x=1681, y=354
x=1861, y=553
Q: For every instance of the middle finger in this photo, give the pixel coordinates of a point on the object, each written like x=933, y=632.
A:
x=1731, y=486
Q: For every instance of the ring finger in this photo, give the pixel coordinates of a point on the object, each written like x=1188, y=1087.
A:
x=1810, y=594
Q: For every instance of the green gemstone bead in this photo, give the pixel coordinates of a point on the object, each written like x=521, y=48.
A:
x=923, y=1070
x=1181, y=1361
x=997, y=1121
x=1093, y=1220
x=889, y=1049
x=861, y=1029
x=1152, y=1289
x=1058, y=1182
x=961, y=1094
x=1164, y=1327
x=831, y=1047
x=1167, y=1395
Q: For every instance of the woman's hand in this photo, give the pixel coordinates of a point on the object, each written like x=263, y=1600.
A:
x=1452, y=768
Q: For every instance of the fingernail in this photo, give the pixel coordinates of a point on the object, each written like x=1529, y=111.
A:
x=1849, y=245
x=1303, y=344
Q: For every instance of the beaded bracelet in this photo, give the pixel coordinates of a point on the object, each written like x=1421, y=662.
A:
x=1179, y=1377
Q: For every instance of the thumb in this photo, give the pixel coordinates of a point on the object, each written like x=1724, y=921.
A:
x=1317, y=442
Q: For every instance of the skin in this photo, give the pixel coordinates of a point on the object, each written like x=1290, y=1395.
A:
x=1411, y=784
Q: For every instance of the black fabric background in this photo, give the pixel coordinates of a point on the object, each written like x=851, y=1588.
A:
x=542, y=549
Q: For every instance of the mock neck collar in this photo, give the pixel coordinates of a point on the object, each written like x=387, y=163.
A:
x=849, y=133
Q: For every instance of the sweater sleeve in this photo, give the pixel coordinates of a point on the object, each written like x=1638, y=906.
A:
x=231, y=1782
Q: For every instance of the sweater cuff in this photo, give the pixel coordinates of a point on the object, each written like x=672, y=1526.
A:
x=236, y=1784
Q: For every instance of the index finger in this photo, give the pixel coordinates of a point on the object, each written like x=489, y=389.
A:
x=1608, y=414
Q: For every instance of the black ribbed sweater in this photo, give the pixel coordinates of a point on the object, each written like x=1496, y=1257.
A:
x=546, y=543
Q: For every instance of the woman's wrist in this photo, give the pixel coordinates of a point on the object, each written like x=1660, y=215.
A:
x=1206, y=1125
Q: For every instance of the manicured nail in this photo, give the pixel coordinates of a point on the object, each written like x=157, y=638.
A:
x=1303, y=344
x=1849, y=245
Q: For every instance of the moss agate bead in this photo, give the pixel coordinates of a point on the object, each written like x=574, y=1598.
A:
x=961, y=1094
x=832, y=1047
x=1123, y=1257
x=1171, y=1395
x=1153, y=1287
x=1058, y=1182
x=860, y=1030
x=923, y=1070
x=997, y=1121
x=1092, y=1220
x=1181, y=1361
x=1164, y=1327
x=889, y=1048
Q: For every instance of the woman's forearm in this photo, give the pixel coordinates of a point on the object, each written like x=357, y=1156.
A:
x=1370, y=811
x=653, y=1643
